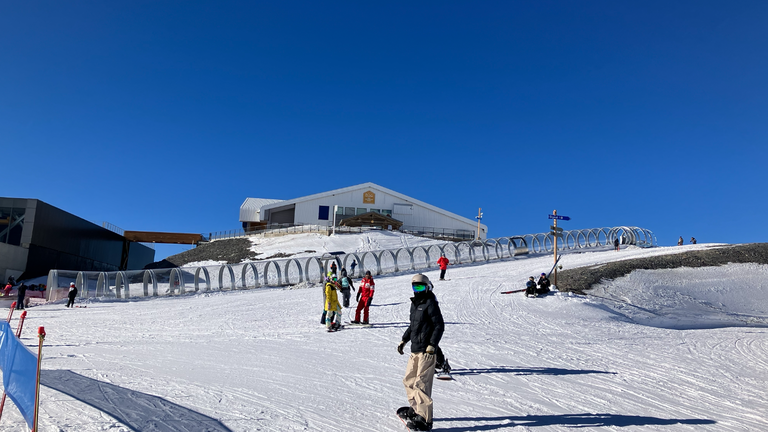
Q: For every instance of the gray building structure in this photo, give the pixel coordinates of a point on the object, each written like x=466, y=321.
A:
x=36, y=237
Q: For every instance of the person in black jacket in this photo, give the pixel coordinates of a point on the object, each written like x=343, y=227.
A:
x=544, y=285
x=424, y=332
x=72, y=294
x=22, y=294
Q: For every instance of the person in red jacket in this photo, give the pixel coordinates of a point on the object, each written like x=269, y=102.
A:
x=443, y=263
x=364, y=298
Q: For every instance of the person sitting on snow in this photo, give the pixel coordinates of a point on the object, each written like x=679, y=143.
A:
x=544, y=285
x=530, y=287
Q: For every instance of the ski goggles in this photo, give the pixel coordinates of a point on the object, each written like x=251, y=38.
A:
x=418, y=287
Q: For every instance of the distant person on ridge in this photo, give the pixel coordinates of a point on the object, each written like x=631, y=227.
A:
x=443, y=263
x=616, y=244
x=364, y=298
x=693, y=240
x=72, y=294
x=680, y=241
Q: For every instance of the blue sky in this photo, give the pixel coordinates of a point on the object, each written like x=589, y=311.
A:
x=166, y=115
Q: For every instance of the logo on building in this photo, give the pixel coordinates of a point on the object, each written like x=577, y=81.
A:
x=369, y=198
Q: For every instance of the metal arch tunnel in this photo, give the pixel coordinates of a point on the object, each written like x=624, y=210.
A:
x=291, y=271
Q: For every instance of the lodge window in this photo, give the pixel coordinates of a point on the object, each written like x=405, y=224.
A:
x=323, y=213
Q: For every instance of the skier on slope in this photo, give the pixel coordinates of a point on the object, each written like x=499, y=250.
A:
x=332, y=306
x=325, y=312
x=72, y=294
x=333, y=268
x=21, y=294
x=424, y=332
x=364, y=298
x=443, y=263
x=346, y=285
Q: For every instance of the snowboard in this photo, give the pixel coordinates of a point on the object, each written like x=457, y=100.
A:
x=444, y=376
x=513, y=291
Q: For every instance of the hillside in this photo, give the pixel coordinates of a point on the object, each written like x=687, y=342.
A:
x=666, y=350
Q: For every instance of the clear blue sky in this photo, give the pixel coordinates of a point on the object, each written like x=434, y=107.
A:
x=167, y=115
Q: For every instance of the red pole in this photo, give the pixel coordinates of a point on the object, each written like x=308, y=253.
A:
x=10, y=313
x=21, y=324
x=41, y=336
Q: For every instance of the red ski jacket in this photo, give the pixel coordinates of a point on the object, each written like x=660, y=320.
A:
x=443, y=263
x=366, y=288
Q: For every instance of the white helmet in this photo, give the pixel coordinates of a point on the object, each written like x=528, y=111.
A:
x=422, y=279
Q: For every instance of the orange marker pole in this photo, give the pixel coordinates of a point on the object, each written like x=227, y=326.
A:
x=41, y=336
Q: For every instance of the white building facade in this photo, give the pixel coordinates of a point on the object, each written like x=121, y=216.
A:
x=319, y=209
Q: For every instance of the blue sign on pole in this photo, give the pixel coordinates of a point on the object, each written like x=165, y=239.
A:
x=558, y=217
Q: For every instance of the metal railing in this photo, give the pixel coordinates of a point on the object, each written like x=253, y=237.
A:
x=292, y=271
x=436, y=233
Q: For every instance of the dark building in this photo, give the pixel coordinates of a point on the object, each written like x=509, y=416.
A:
x=36, y=237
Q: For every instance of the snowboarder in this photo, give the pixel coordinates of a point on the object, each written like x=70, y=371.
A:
x=72, y=294
x=530, y=287
x=20, y=300
x=322, y=317
x=424, y=332
x=346, y=284
x=544, y=285
x=333, y=268
x=693, y=240
x=443, y=263
x=616, y=244
x=332, y=306
x=7, y=289
x=352, y=267
x=364, y=298
x=680, y=241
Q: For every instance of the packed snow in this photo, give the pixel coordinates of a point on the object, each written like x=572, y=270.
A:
x=681, y=349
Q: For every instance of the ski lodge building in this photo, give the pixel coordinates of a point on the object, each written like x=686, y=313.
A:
x=364, y=205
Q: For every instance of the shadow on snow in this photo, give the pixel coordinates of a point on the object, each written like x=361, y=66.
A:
x=567, y=420
x=138, y=411
x=527, y=371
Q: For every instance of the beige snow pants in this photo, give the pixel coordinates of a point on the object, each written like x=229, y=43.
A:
x=418, y=383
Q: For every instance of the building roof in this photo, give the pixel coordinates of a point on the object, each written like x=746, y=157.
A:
x=250, y=209
x=370, y=185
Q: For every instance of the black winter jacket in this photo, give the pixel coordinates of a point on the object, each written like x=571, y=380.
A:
x=427, y=324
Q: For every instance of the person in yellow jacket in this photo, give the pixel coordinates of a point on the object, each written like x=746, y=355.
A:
x=332, y=305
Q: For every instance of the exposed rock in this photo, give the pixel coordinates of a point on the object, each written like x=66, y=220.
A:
x=230, y=250
x=582, y=279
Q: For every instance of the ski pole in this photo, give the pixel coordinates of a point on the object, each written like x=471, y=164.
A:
x=41, y=336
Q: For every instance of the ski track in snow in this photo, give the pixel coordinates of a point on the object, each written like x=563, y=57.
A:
x=259, y=360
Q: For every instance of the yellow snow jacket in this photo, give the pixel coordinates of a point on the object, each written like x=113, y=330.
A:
x=331, y=298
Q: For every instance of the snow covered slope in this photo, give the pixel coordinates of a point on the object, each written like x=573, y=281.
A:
x=259, y=360
x=315, y=244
